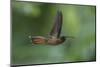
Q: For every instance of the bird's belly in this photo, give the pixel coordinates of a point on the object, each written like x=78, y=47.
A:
x=54, y=41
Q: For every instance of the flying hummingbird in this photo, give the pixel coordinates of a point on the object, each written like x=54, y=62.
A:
x=54, y=37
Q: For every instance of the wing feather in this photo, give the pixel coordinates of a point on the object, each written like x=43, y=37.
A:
x=56, y=30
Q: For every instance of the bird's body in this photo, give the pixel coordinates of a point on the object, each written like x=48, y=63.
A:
x=38, y=40
x=55, y=41
x=54, y=35
x=51, y=40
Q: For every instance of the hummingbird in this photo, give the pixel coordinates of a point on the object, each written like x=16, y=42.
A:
x=54, y=37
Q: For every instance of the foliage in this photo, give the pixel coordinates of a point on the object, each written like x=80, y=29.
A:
x=30, y=18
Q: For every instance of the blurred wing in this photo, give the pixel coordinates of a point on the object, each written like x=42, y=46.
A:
x=56, y=30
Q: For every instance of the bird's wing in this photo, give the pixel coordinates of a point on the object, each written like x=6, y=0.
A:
x=56, y=30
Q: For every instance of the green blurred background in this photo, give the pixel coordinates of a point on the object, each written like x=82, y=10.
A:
x=31, y=18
